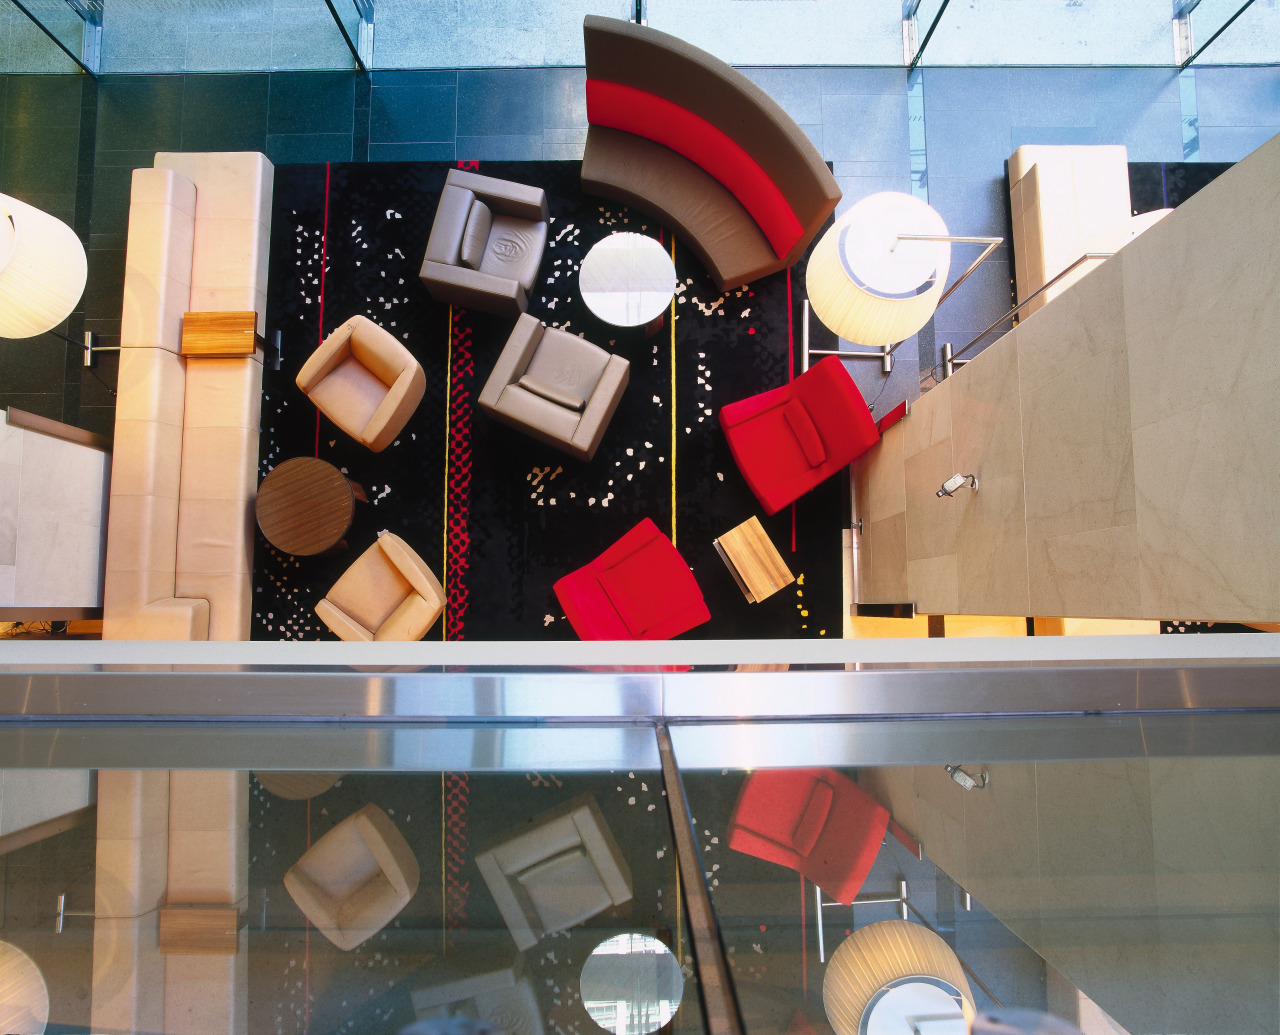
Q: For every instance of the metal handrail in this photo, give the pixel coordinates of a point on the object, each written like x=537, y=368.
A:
x=1086, y=257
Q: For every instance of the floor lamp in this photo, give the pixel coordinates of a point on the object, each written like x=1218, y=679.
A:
x=877, y=275
x=889, y=974
x=43, y=270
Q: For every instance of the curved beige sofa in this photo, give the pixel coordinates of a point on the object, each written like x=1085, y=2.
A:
x=185, y=456
x=680, y=134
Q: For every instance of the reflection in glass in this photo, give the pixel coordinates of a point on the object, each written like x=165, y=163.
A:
x=631, y=984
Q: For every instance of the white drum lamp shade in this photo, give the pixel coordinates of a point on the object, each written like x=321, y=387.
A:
x=42, y=270
x=871, y=288
x=886, y=972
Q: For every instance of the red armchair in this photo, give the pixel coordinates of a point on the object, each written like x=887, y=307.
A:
x=816, y=821
x=638, y=589
x=787, y=440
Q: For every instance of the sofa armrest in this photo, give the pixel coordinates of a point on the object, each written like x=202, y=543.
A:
x=464, y=287
x=396, y=408
x=513, y=360
x=508, y=904
x=313, y=902
x=412, y=567
x=332, y=351
x=601, y=406
x=340, y=623
x=175, y=618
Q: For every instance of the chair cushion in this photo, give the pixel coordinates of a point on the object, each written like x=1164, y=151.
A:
x=813, y=817
x=340, y=863
x=551, y=393
x=565, y=889
x=476, y=235
x=349, y=396
x=409, y=621
x=567, y=363
x=537, y=416
x=371, y=589
x=640, y=587
x=514, y=251
x=801, y=424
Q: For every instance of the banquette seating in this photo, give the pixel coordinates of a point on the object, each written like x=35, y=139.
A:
x=185, y=457
x=681, y=135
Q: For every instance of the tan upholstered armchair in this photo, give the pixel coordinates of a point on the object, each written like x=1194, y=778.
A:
x=354, y=880
x=555, y=387
x=364, y=381
x=555, y=870
x=486, y=243
x=389, y=593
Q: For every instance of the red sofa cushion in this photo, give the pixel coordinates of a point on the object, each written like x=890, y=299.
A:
x=648, y=115
x=814, y=816
x=807, y=437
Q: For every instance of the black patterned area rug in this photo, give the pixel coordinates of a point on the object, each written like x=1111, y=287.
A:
x=498, y=516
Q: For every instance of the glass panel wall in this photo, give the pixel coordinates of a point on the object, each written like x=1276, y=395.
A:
x=24, y=48
x=438, y=34
x=1121, y=865
x=220, y=35
x=1252, y=38
x=1050, y=32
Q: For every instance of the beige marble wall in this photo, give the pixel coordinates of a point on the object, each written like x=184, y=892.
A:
x=1153, y=885
x=1126, y=439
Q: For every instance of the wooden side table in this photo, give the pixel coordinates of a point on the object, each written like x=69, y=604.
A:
x=220, y=335
x=753, y=561
x=305, y=506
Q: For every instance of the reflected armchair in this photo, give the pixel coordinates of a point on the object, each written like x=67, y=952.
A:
x=354, y=880
x=364, y=381
x=556, y=870
x=486, y=243
x=815, y=821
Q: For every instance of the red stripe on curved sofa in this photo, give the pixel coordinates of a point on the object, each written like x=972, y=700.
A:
x=645, y=114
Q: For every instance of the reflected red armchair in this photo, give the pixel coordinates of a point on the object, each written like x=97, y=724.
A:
x=638, y=589
x=787, y=440
x=815, y=821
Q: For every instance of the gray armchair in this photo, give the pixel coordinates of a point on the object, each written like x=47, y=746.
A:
x=555, y=387
x=486, y=243
x=555, y=870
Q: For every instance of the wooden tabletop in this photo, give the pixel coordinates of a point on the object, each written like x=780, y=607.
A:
x=220, y=334
x=753, y=560
x=305, y=506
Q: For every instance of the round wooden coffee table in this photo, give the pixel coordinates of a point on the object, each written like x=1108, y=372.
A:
x=305, y=506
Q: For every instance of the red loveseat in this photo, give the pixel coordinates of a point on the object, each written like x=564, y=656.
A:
x=787, y=440
x=638, y=589
x=815, y=821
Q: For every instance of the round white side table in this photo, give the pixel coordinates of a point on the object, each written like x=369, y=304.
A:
x=627, y=279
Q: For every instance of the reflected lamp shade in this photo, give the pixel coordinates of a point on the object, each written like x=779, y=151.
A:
x=887, y=971
x=42, y=270
x=24, y=996
x=869, y=287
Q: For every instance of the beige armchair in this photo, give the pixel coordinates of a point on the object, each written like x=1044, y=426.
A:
x=486, y=243
x=555, y=387
x=354, y=880
x=556, y=870
x=389, y=593
x=364, y=381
